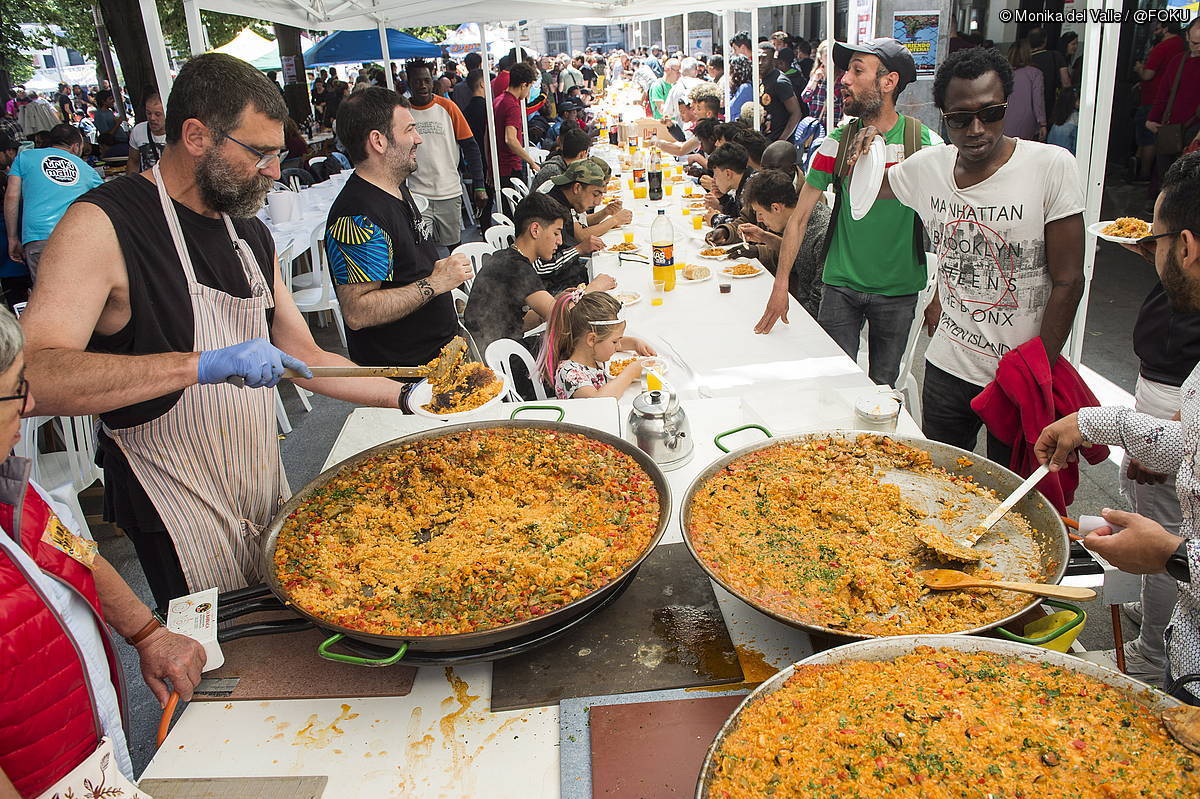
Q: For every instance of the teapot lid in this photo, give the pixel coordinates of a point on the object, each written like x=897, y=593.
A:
x=654, y=404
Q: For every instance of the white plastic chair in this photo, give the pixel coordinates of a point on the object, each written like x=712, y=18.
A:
x=285, y=258
x=65, y=473
x=320, y=297
x=502, y=219
x=512, y=196
x=906, y=382
x=520, y=184
x=500, y=236
x=459, y=298
x=538, y=154
x=474, y=250
x=499, y=357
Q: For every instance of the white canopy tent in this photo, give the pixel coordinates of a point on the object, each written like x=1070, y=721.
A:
x=1095, y=104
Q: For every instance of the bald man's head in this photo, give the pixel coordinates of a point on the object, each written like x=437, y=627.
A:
x=779, y=155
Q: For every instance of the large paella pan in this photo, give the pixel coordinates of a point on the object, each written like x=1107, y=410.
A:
x=417, y=562
x=818, y=531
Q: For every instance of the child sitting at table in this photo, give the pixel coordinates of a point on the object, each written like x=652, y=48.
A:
x=583, y=332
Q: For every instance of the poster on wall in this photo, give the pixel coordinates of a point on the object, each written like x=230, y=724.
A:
x=862, y=20
x=290, y=73
x=700, y=42
x=918, y=31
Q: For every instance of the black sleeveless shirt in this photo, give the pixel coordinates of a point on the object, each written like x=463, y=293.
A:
x=161, y=318
x=160, y=310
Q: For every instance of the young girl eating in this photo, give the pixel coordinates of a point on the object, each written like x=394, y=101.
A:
x=583, y=332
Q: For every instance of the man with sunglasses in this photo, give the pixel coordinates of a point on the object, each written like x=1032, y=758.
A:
x=874, y=266
x=159, y=297
x=1133, y=542
x=1005, y=219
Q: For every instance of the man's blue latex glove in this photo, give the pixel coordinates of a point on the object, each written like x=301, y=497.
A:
x=256, y=361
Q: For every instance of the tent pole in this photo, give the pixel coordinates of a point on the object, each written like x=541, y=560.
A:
x=683, y=21
x=756, y=81
x=195, y=27
x=491, y=112
x=386, y=53
x=1095, y=114
x=829, y=87
x=158, y=48
x=726, y=35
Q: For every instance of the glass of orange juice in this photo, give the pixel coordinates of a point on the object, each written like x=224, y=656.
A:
x=667, y=189
x=686, y=211
x=640, y=191
x=697, y=221
x=629, y=238
x=630, y=182
x=660, y=290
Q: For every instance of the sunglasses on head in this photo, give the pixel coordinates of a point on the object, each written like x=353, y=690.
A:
x=987, y=115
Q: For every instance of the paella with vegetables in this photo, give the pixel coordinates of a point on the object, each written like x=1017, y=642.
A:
x=947, y=723
x=811, y=531
x=467, y=532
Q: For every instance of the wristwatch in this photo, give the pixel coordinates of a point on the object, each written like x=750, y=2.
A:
x=152, y=626
x=1177, y=564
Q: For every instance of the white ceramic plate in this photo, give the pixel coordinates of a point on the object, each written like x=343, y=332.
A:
x=1096, y=227
x=422, y=394
x=725, y=273
x=866, y=178
x=627, y=298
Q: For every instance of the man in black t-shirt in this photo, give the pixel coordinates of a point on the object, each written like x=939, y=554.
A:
x=394, y=295
x=783, y=109
x=1056, y=73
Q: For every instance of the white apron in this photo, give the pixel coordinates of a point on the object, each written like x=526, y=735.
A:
x=211, y=464
x=97, y=775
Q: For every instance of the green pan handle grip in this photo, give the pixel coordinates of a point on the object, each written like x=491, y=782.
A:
x=1050, y=636
x=562, y=414
x=717, y=438
x=391, y=660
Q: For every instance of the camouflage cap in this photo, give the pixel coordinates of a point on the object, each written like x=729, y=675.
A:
x=591, y=171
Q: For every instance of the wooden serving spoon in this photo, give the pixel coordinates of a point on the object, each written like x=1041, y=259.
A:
x=1183, y=723
x=948, y=549
x=951, y=579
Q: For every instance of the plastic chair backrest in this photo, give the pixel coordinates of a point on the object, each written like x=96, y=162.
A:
x=500, y=236
x=320, y=268
x=474, y=250
x=499, y=357
x=512, y=197
x=502, y=219
x=79, y=438
x=284, y=259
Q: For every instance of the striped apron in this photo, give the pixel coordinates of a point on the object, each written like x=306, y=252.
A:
x=211, y=465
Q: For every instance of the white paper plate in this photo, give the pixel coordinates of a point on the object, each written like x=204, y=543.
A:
x=422, y=394
x=743, y=277
x=866, y=178
x=680, y=280
x=655, y=362
x=633, y=297
x=1096, y=227
x=724, y=257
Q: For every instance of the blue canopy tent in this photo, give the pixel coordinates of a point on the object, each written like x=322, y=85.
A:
x=354, y=47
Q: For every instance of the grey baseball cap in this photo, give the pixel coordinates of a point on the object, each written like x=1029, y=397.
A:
x=894, y=56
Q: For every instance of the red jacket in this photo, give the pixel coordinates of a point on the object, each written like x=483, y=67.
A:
x=1025, y=396
x=48, y=722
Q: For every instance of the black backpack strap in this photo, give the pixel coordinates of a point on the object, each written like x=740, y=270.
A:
x=912, y=143
x=839, y=166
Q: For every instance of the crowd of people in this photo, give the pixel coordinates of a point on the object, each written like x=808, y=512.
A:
x=183, y=297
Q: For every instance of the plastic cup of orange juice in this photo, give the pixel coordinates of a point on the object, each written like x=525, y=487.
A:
x=640, y=191
x=667, y=189
x=660, y=289
x=686, y=211
x=697, y=221
x=630, y=182
x=629, y=238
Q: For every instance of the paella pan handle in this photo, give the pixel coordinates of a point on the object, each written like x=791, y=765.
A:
x=717, y=438
x=1179, y=682
x=1050, y=636
x=562, y=414
x=391, y=660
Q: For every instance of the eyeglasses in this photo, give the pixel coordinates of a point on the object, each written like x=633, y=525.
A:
x=1157, y=236
x=264, y=159
x=22, y=395
x=987, y=115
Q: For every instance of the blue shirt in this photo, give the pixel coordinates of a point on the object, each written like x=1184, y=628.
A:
x=51, y=179
x=742, y=95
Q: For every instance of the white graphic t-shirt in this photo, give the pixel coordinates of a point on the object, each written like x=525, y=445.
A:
x=991, y=247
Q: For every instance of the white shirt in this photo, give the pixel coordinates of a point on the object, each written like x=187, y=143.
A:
x=682, y=90
x=77, y=617
x=990, y=241
x=440, y=125
x=148, y=151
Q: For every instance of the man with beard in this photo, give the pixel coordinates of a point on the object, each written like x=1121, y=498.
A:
x=1005, y=217
x=875, y=266
x=158, y=298
x=1135, y=543
x=395, y=295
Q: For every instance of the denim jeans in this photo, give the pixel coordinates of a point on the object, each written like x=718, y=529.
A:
x=842, y=315
x=946, y=414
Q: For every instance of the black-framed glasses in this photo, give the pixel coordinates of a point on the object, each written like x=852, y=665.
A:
x=987, y=115
x=264, y=159
x=1157, y=236
x=22, y=395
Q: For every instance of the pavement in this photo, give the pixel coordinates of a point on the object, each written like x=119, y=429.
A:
x=1120, y=282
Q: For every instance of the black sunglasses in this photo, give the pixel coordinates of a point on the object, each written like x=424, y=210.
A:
x=987, y=115
x=22, y=395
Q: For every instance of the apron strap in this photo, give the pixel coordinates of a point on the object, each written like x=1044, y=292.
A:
x=168, y=207
x=250, y=266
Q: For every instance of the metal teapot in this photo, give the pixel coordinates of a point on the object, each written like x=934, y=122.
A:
x=658, y=426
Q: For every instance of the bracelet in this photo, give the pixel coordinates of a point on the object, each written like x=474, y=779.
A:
x=151, y=627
